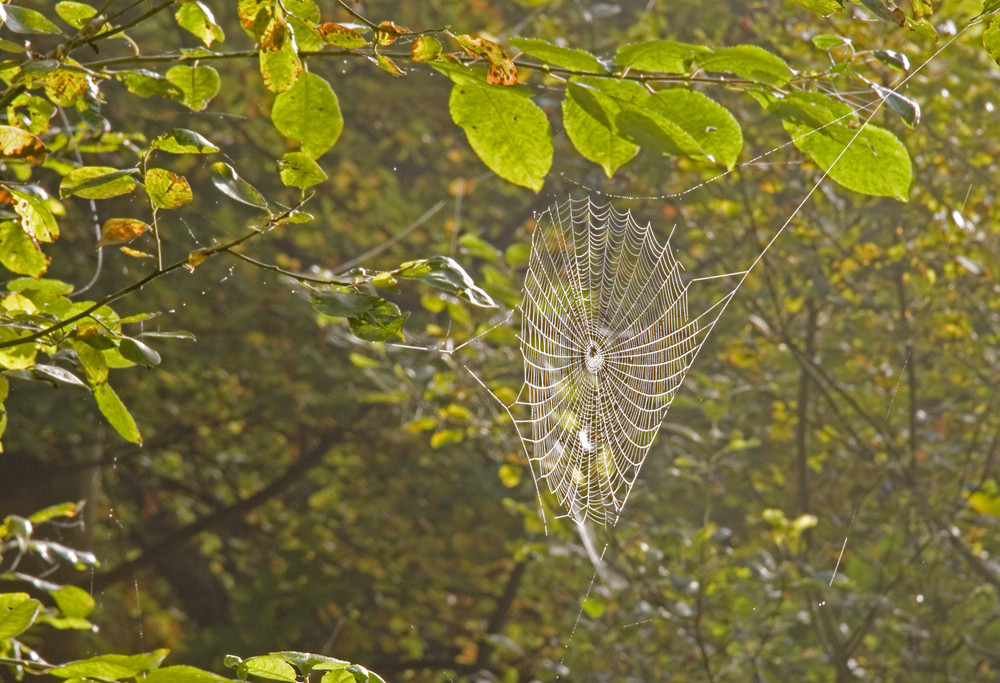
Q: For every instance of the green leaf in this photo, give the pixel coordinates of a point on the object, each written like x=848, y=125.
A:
x=306, y=662
x=570, y=58
x=713, y=129
x=266, y=666
x=382, y=322
x=589, y=112
x=111, y=667
x=97, y=182
x=338, y=676
x=138, y=352
x=19, y=356
x=651, y=131
x=444, y=273
x=24, y=20
x=144, y=83
x=53, y=511
x=299, y=170
x=868, y=160
x=478, y=247
x=517, y=254
x=196, y=18
x=183, y=141
x=19, y=253
x=74, y=601
x=663, y=56
x=825, y=41
x=92, y=361
x=897, y=60
x=198, y=84
x=749, y=61
x=508, y=132
x=18, y=612
x=824, y=7
x=226, y=180
x=907, y=109
x=342, y=303
x=310, y=113
x=76, y=14
x=991, y=38
x=425, y=49
x=119, y=418
x=166, y=189
x=36, y=219
x=280, y=69
x=183, y=674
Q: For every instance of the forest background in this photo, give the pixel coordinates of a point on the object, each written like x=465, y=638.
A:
x=262, y=472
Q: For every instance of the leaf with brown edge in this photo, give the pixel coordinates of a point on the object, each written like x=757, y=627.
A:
x=20, y=144
x=387, y=64
x=121, y=231
x=425, y=49
x=387, y=33
x=504, y=73
x=502, y=70
x=135, y=253
x=340, y=36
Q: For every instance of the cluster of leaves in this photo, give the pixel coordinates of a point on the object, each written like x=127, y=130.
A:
x=23, y=618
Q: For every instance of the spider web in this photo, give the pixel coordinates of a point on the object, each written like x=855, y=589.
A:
x=607, y=339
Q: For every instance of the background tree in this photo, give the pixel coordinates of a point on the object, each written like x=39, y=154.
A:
x=823, y=499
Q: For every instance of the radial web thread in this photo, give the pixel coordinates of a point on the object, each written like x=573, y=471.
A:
x=607, y=340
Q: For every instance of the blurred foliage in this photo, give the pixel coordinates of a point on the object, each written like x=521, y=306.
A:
x=822, y=503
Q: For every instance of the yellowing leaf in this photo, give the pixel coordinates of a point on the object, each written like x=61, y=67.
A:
x=120, y=231
x=20, y=144
x=340, y=36
x=310, y=113
x=166, y=189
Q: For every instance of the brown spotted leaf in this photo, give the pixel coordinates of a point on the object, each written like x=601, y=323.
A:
x=20, y=144
x=120, y=231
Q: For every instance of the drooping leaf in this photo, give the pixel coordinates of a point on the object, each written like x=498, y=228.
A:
x=386, y=64
x=310, y=113
x=166, y=189
x=749, y=61
x=195, y=17
x=570, y=58
x=16, y=143
x=74, y=601
x=823, y=7
x=139, y=352
x=19, y=253
x=118, y=417
x=198, y=84
x=97, y=182
x=868, y=160
x=18, y=612
x=897, y=60
x=382, y=322
x=111, y=667
x=281, y=68
x=907, y=109
x=227, y=181
x=589, y=111
x=341, y=36
x=663, y=56
x=121, y=231
x=708, y=123
x=27, y=21
x=57, y=374
x=183, y=141
x=342, y=302
x=507, y=131
x=36, y=219
x=444, y=273
x=299, y=170
x=425, y=49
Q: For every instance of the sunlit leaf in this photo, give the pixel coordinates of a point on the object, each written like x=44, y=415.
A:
x=76, y=14
x=166, y=189
x=714, y=130
x=386, y=64
x=823, y=7
x=280, y=69
x=663, y=56
x=36, y=219
x=182, y=141
x=342, y=302
x=896, y=60
x=306, y=662
x=226, y=180
x=444, y=273
x=18, y=612
x=57, y=374
x=198, y=84
x=19, y=253
x=589, y=111
x=340, y=36
x=74, y=601
x=118, y=417
x=570, y=58
x=97, y=182
x=16, y=143
x=907, y=109
x=195, y=17
x=507, y=131
x=121, y=231
x=991, y=38
x=183, y=674
x=149, y=84
x=310, y=113
x=111, y=667
x=299, y=170
x=425, y=49
x=266, y=666
x=749, y=61
x=139, y=352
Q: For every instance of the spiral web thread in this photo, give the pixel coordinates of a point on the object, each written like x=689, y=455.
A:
x=607, y=340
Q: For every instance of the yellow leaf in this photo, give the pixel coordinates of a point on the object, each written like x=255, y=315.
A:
x=120, y=231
